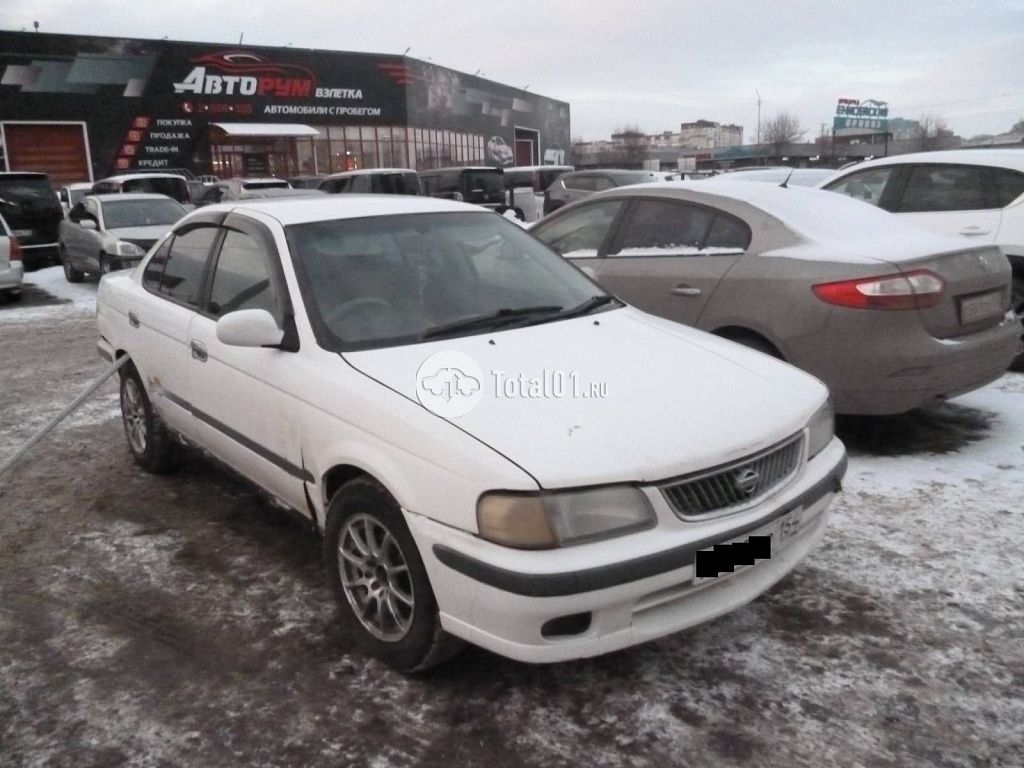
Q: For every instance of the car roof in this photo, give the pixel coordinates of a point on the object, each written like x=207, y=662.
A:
x=299, y=210
x=566, y=168
x=368, y=172
x=23, y=174
x=127, y=198
x=459, y=168
x=126, y=176
x=997, y=158
x=78, y=185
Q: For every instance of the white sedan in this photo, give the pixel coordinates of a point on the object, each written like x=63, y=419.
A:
x=12, y=271
x=494, y=448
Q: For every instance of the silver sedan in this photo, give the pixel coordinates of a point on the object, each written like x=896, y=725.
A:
x=106, y=232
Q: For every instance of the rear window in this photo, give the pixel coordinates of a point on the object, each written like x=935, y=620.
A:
x=27, y=189
x=174, y=188
x=395, y=184
x=482, y=186
x=141, y=213
x=266, y=185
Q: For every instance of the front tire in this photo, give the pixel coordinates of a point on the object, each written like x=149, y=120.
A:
x=151, y=443
x=379, y=582
x=71, y=274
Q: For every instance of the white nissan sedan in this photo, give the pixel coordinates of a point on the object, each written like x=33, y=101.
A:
x=495, y=449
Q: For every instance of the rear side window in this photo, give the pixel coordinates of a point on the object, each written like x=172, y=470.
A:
x=241, y=279
x=154, y=270
x=727, y=232
x=601, y=183
x=186, y=261
x=944, y=188
x=1009, y=185
x=582, y=183
x=661, y=225
x=580, y=232
x=867, y=185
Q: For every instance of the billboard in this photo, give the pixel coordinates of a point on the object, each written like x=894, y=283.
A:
x=868, y=115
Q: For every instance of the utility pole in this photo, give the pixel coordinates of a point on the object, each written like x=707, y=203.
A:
x=758, y=119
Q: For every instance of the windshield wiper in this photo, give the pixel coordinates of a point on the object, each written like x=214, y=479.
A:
x=584, y=308
x=491, y=319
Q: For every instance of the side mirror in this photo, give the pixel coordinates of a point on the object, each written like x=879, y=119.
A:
x=249, y=328
x=87, y=224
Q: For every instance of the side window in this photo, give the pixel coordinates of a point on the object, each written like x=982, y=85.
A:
x=662, y=227
x=944, y=188
x=1009, y=185
x=579, y=233
x=359, y=184
x=602, y=183
x=581, y=183
x=867, y=185
x=728, y=232
x=182, y=278
x=154, y=270
x=241, y=279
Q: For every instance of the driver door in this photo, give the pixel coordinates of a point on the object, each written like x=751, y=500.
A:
x=244, y=414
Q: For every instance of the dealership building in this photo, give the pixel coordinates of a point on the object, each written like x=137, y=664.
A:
x=81, y=108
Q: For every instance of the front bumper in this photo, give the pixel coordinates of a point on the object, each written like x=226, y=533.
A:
x=636, y=588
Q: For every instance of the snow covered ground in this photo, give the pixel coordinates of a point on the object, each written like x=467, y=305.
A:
x=179, y=620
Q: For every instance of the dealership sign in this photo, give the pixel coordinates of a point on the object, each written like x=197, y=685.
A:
x=238, y=73
x=869, y=115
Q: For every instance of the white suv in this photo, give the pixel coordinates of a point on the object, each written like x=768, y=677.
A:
x=493, y=447
x=976, y=193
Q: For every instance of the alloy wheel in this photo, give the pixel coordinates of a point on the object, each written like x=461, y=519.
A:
x=375, y=578
x=133, y=411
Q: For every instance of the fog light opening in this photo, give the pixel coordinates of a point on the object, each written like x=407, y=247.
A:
x=566, y=626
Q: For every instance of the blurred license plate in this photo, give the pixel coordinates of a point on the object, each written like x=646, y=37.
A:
x=739, y=554
x=981, y=307
x=23, y=233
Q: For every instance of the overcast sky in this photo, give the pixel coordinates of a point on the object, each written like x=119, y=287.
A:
x=654, y=63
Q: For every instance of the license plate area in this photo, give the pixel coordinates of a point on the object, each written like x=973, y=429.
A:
x=735, y=556
x=985, y=306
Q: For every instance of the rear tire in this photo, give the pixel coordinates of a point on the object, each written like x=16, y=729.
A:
x=387, y=606
x=151, y=443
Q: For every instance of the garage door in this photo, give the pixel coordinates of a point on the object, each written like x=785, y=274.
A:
x=54, y=148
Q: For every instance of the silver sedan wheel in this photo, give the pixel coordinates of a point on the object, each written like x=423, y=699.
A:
x=375, y=578
x=133, y=411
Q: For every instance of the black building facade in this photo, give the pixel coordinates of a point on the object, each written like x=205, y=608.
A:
x=81, y=108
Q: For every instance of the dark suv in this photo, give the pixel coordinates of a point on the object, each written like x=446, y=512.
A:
x=478, y=185
x=32, y=211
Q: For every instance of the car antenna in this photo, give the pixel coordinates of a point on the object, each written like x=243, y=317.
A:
x=785, y=184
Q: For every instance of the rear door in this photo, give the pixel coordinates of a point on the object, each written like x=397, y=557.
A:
x=669, y=256
x=161, y=317
x=952, y=199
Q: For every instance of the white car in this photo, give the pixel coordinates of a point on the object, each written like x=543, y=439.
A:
x=494, y=448
x=975, y=193
x=12, y=271
x=500, y=152
x=796, y=177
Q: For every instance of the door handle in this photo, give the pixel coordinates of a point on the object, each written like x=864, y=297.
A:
x=973, y=231
x=133, y=319
x=198, y=351
x=685, y=290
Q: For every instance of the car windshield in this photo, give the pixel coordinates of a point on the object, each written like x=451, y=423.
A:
x=392, y=280
x=141, y=213
x=171, y=186
x=75, y=195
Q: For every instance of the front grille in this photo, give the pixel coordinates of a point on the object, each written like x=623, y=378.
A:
x=736, y=485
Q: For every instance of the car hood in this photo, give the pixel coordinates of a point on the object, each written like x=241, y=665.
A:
x=140, y=233
x=642, y=398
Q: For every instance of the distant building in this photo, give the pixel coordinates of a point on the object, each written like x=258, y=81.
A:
x=707, y=134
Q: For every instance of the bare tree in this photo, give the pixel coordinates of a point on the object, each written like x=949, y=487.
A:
x=633, y=144
x=782, y=129
x=1018, y=127
x=931, y=133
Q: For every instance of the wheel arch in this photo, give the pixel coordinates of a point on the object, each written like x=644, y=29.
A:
x=739, y=334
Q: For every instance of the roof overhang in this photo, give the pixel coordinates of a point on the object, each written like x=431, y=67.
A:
x=267, y=130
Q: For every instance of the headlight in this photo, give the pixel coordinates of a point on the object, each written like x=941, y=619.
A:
x=548, y=520
x=130, y=250
x=821, y=429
